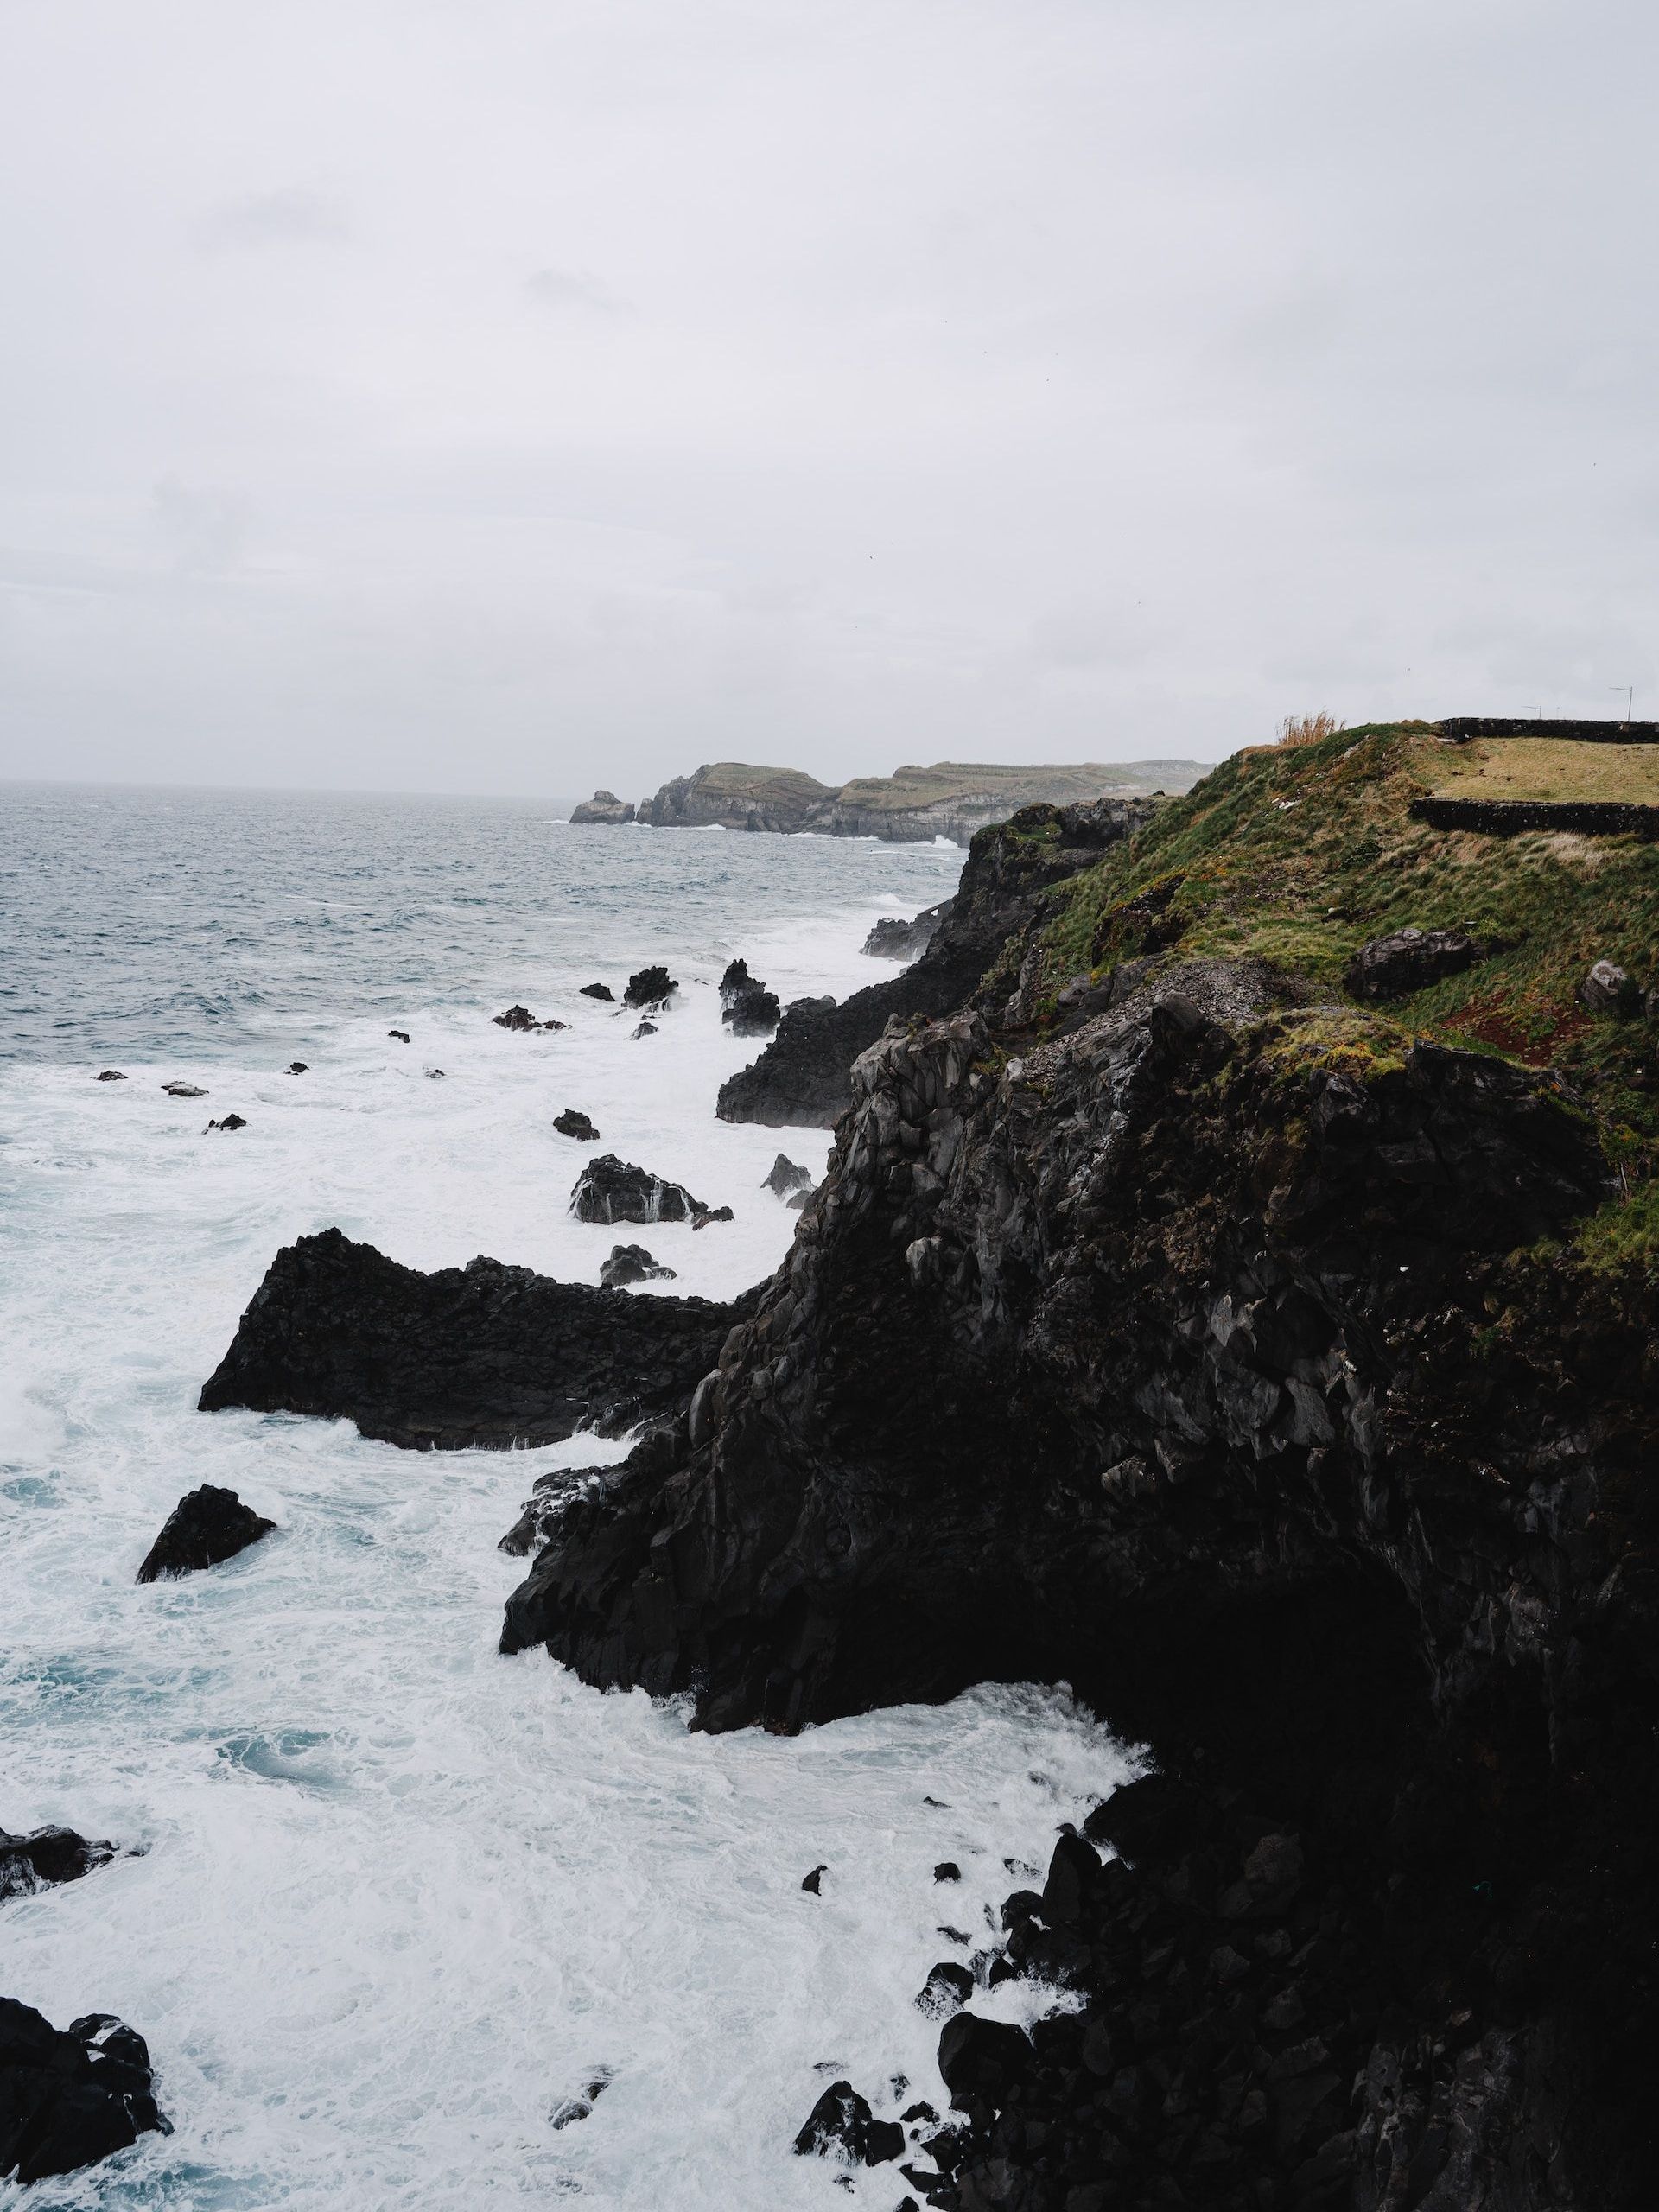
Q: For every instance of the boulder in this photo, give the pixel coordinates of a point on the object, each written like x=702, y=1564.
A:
x=206, y=1527
x=947, y=1989
x=111, y=1075
x=947, y=1871
x=711, y=1213
x=984, y=2059
x=1608, y=988
x=230, y=1121
x=841, y=2121
x=483, y=1356
x=895, y=939
x=609, y=1190
x=813, y=1883
x=785, y=1176
x=183, y=1091
x=297, y=1067
x=599, y=991
x=70, y=2097
x=521, y=1018
x=650, y=987
x=1409, y=960
x=645, y=1029
x=632, y=1263
x=573, y=1123
x=736, y=980
x=605, y=808
x=402, y=1035
x=46, y=1857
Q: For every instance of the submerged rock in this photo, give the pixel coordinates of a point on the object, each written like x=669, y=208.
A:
x=230, y=1121
x=484, y=1355
x=650, y=987
x=645, y=1029
x=574, y=1124
x=785, y=1176
x=111, y=1075
x=1409, y=960
x=893, y=940
x=841, y=2121
x=813, y=1883
x=183, y=1091
x=297, y=1067
x=206, y=1527
x=608, y=1190
x=702, y=1219
x=70, y=2097
x=604, y=808
x=45, y=1857
x=632, y=1263
x=402, y=1035
x=521, y=1018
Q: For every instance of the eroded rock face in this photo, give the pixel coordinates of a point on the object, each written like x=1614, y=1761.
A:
x=1410, y=960
x=70, y=2097
x=46, y=1857
x=609, y=1189
x=1172, y=1360
x=802, y=1079
x=892, y=938
x=650, y=987
x=206, y=1528
x=632, y=1263
x=484, y=1355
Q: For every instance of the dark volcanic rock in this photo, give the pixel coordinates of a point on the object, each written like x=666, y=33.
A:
x=842, y=2120
x=1409, y=960
x=206, y=1527
x=736, y=980
x=483, y=1355
x=1254, y=1397
x=702, y=1219
x=645, y=1029
x=632, y=1263
x=184, y=1090
x=573, y=1123
x=802, y=1079
x=111, y=1075
x=947, y=1989
x=608, y=1190
x=893, y=940
x=756, y=1013
x=230, y=1121
x=69, y=2098
x=550, y=1497
x=45, y=1857
x=599, y=991
x=650, y=987
x=402, y=1035
x=785, y=1176
x=297, y=1067
x=518, y=1017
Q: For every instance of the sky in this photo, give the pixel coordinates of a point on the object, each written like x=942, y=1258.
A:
x=525, y=396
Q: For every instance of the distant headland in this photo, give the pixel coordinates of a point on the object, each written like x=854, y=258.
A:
x=949, y=799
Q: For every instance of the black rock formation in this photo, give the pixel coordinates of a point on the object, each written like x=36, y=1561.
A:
x=573, y=1123
x=402, y=1035
x=756, y=1013
x=1409, y=960
x=784, y=1176
x=1242, y=1386
x=111, y=1075
x=69, y=2098
x=736, y=980
x=184, y=1090
x=206, y=1527
x=609, y=1190
x=298, y=1067
x=483, y=1355
x=645, y=1029
x=802, y=1079
x=632, y=1263
x=841, y=2121
x=895, y=939
x=46, y=1857
x=520, y=1017
x=230, y=1121
x=650, y=987
x=543, y=1510
x=599, y=991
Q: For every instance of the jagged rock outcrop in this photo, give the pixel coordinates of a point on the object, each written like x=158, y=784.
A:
x=1409, y=960
x=650, y=988
x=484, y=1355
x=632, y=1263
x=892, y=938
x=69, y=2097
x=45, y=1857
x=610, y=1190
x=803, y=1079
x=747, y=1005
x=206, y=1528
x=1225, y=1376
x=574, y=1123
x=604, y=808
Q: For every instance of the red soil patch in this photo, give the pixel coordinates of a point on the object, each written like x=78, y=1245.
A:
x=1493, y=1023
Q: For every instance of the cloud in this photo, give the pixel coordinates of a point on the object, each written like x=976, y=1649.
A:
x=570, y=290
x=206, y=530
x=289, y=216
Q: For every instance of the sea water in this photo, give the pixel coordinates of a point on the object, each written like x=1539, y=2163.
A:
x=395, y=1901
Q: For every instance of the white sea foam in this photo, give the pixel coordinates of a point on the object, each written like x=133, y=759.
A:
x=400, y=1897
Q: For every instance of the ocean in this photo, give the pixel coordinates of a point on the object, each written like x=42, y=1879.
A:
x=394, y=1901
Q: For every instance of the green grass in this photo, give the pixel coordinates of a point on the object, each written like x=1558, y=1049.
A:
x=1552, y=769
x=1299, y=856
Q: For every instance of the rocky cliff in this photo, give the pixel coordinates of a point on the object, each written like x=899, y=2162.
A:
x=803, y=1079
x=1226, y=1373
x=950, y=799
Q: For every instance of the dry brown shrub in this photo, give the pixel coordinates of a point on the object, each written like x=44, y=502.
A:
x=1309, y=730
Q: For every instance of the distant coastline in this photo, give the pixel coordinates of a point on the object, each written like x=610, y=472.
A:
x=949, y=799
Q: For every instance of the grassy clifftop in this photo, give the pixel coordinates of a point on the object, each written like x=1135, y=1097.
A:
x=1300, y=855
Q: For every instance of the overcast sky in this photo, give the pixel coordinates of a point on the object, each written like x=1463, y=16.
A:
x=524, y=394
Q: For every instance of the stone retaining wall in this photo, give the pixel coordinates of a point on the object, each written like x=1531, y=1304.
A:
x=1511, y=817
x=1462, y=727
